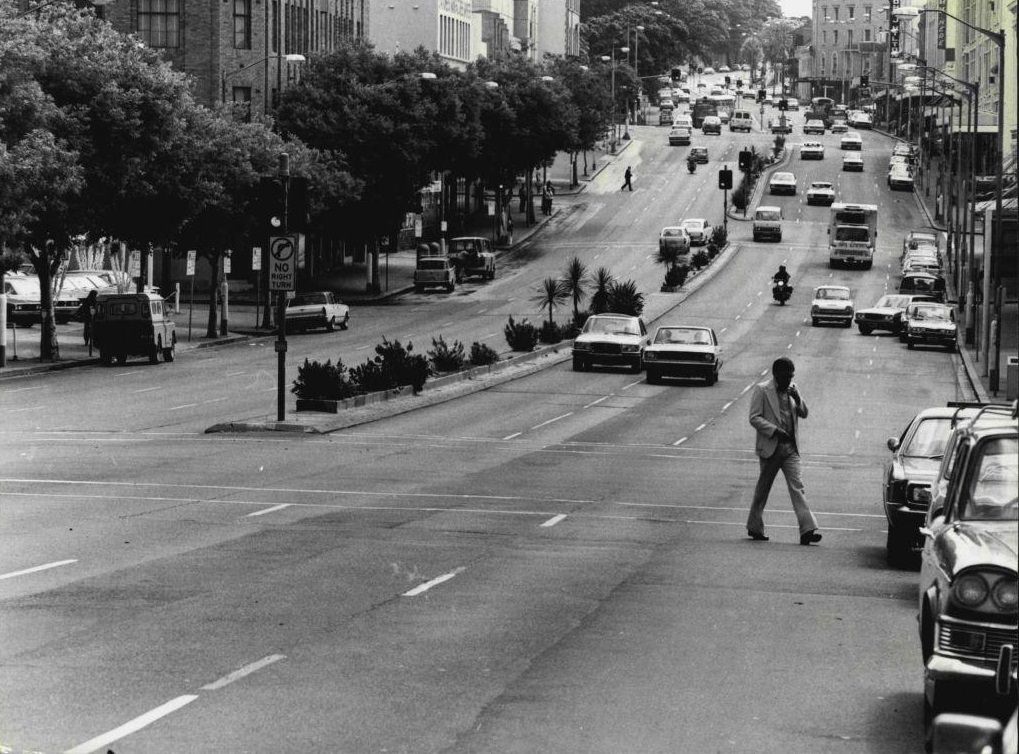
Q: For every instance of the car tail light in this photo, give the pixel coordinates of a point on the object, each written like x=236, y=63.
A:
x=970, y=590
x=1005, y=594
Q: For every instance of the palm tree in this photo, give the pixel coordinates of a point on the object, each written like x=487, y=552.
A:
x=668, y=255
x=575, y=282
x=624, y=298
x=602, y=282
x=551, y=294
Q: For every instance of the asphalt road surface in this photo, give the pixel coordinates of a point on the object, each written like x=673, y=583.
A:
x=557, y=564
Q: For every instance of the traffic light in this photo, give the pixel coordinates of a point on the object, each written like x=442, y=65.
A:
x=739, y=83
x=677, y=74
x=783, y=104
x=864, y=80
x=725, y=178
x=728, y=81
x=700, y=69
x=761, y=94
x=745, y=158
x=270, y=205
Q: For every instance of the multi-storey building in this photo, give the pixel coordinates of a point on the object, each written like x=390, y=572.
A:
x=236, y=50
x=559, y=30
x=845, y=46
x=446, y=26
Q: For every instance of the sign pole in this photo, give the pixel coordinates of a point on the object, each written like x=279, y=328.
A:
x=192, y=259
x=281, y=335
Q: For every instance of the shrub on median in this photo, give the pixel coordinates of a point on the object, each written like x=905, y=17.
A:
x=445, y=357
x=327, y=381
x=521, y=336
x=482, y=355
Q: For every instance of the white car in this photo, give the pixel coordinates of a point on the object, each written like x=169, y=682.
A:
x=839, y=127
x=708, y=70
x=821, y=192
x=930, y=323
x=782, y=183
x=851, y=140
x=832, y=303
x=812, y=150
x=852, y=161
x=316, y=309
x=614, y=339
x=814, y=126
x=724, y=69
x=900, y=179
x=699, y=230
x=792, y=103
x=860, y=119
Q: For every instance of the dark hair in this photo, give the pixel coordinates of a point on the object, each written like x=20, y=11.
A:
x=782, y=364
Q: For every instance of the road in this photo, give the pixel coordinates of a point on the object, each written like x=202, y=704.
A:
x=555, y=564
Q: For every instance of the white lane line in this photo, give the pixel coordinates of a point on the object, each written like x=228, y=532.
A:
x=482, y=311
x=186, y=405
x=26, y=408
x=150, y=389
x=554, y=520
x=421, y=588
x=789, y=346
x=36, y=569
x=764, y=372
x=870, y=362
x=596, y=402
x=215, y=400
x=23, y=389
x=125, y=374
x=490, y=335
x=727, y=405
x=759, y=293
x=722, y=330
x=627, y=387
x=744, y=390
x=859, y=410
x=797, y=334
x=536, y=426
x=510, y=437
x=856, y=435
x=273, y=509
x=749, y=305
x=359, y=348
x=874, y=348
x=702, y=426
x=240, y=673
x=738, y=316
x=446, y=324
x=133, y=726
x=680, y=441
x=235, y=374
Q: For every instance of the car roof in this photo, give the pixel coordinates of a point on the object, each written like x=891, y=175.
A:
x=783, y=175
x=821, y=184
x=832, y=287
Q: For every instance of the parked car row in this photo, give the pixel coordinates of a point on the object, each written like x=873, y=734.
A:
x=951, y=496
x=24, y=297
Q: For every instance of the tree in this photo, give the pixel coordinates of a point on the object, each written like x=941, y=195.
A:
x=624, y=298
x=575, y=283
x=551, y=295
x=602, y=284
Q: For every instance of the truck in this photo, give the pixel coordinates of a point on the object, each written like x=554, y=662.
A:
x=701, y=109
x=852, y=235
x=472, y=255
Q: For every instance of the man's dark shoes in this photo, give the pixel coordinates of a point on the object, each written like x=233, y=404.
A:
x=810, y=538
x=757, y=537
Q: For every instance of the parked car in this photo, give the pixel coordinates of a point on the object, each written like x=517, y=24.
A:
x=860, y=119
x=960, y=733
x=852, y=162
x=886, y=313
x=711, y=124
x=900, y=179
x=791, y=103
x=917, y=238
x=23, y=299
x=969, y=586
x=909, y=475
x=780, y=125
x=918, y=262
x=316, y=309
x=923, y=284
x=614, y=339
x=698, y=154
x=821, y=192
x=699, y=230
x=812, y=150
x=472, y=256
x=681, y=351
x=684, y=120
x=851, y=140
x=814, y=126
x=133, y=324
x=679, y=136
x=434, y=271
x=782, y=183
x=832, y=303
x=930, y=323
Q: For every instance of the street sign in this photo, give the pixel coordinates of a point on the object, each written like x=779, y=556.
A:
x=256, y=258
x=192, y=258
x=282, y=263
x=226, y=265
x=134, y=268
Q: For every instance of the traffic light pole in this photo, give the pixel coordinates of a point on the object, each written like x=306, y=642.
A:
x=281, y=301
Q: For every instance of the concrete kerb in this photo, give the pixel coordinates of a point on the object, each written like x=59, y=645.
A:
x=453, y=386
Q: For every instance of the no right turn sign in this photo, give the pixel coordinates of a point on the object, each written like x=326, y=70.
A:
x=282, y=263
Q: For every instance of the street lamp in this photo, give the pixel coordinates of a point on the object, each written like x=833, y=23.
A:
x=611, y=60
x=224, y=75
x=998, y=37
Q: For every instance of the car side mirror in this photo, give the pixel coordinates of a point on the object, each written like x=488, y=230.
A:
x=893, y=444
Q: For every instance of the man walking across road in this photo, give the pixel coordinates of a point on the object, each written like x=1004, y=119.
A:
x=627, y=177
x=775, y=408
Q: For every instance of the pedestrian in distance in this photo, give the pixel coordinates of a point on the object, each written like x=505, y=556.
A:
x=522, y=196
x=627, y=177
x=86, y=314
x=546, y=197
x=775, y=408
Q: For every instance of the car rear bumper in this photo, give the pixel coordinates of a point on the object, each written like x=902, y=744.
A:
x=831, y=317
x=932, y=339
x=768, y=232
x=825, y=200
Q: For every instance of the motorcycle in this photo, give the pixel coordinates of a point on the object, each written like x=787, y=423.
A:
x=691, y=166
x=781, y=291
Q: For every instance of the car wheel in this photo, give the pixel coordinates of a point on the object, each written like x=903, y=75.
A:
x=637, y=366
x=156, y=350
x=121, y=358
x=450, y=287
x=813, y=321
x=331, y=324
x=896, y=548
x=779, y=239
x=756, y=237
x=864, y=329
x=910, y=345
x=345, y=322
x=419, y=289
x=168, y=353
x=712, y=378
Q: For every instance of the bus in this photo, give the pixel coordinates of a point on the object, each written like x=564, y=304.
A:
x=702, y=108
x=724, y=103
x=821, y=109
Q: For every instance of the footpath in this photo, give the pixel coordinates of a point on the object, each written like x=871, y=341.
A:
x=396, y=276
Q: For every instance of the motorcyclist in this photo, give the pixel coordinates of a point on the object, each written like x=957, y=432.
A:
x=782, y=275
x=691, y=164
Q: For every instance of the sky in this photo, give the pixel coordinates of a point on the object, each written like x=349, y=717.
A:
x=795, y=8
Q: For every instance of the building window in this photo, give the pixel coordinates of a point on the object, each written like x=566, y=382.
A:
x=834, y=63
x=824, y=12
x=835, y=34
x=242, y=24
x=241, y=103
x=159, y=22
x=275, y=33
x=836, y=13
x=866, y=12
x=824, y=37
x=849, y=38
x=866, y=35
x=852, y=12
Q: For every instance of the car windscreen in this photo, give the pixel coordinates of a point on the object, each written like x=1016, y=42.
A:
x=616, y=325
x=892, y=302
x=852, y=233
x=993, y=490
x=933, y=314
x=682, y=335
x=833, y=294
x=768, y=214
x=673, y=233
x=431, y=264
x=929, y=439
x=820, y=186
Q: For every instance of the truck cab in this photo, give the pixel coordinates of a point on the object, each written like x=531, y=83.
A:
x=852, y=235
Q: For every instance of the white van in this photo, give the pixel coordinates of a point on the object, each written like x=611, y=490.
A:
x=741, y=121
x=768, y=223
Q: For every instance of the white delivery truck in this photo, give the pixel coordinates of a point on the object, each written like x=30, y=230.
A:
x=852, y=235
